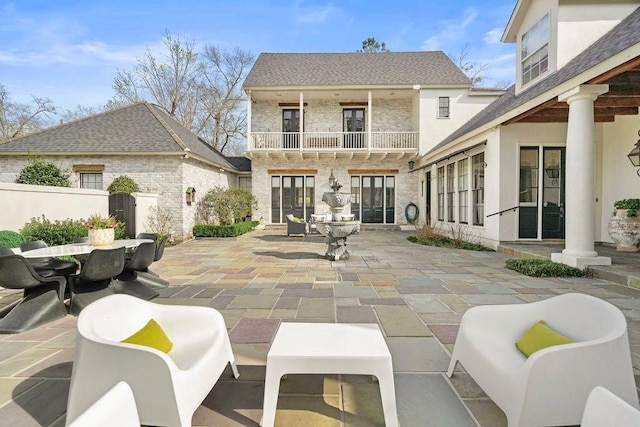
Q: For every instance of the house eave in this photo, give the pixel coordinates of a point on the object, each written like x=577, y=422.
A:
x=510, y=32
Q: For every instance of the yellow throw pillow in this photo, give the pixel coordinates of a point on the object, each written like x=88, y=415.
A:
x=540, y=336
x=295, y=219
x=151, y=335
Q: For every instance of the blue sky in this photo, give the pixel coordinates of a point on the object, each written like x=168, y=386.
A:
x=70, y=50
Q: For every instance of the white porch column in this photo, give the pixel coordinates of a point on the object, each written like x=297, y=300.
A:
x=301, y=120
x=249, y=144
x=580, y=176
x=369, y=126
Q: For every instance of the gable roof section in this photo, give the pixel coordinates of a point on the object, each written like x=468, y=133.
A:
x=623, y=36
x=240, y=163
x=354, y=69
x=140, y=128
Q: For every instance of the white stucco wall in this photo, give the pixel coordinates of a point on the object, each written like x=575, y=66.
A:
x=582, y=23
x=619, y=178
x=21, y=202
x=462, y=107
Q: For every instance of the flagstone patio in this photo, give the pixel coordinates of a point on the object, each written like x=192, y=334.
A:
x=416, y=293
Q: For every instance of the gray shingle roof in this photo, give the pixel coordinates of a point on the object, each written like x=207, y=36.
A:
x=138, y=128
x=354, y=69
x=621, y=37
x=240, y=163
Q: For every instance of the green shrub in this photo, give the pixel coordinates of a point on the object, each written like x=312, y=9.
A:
x=10, y=239
x=543, y=268
x=224, y=205
x=40, y=172
x=631, y=205
x=209, y=230
x=60, y=232
x=122, y=184
x=433, y=236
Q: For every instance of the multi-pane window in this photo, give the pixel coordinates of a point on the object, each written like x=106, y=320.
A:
x=91, y=181
x=451, y=192
x=463, y=186
x=478, y=189
x=440, y=186
x=534, y=51
x=244, y=182
x=443, y=107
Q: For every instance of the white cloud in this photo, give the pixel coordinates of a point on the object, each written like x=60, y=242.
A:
x=450, y=32
x=314, y=14
x=492, y=36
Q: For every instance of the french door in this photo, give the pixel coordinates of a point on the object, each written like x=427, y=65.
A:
x=542, y=193
x=373, y=199
x=353, y=126
x=292, y=195
x=291, y=128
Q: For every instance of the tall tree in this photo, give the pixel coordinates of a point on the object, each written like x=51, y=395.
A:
x=21, y=119
x=202, y=91
x=370, y=45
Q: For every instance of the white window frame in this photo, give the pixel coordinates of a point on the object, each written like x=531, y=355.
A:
x=441, y=107
x=539, y=53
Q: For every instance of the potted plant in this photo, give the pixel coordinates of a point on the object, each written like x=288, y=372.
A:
x=624, y=225
x=101, y=229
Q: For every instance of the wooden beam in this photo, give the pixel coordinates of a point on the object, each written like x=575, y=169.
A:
x=562, y=119
x=604, y=77
x=88, y=168
x=615, y=111
x=372, y=171
x=354, y=104
x=534, y=110
x=291, y=104
x=292, y=171
x=623, y=90
x=617, y=101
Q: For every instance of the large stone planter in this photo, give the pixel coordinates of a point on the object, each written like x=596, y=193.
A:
x=624, y=231
x=101, y=236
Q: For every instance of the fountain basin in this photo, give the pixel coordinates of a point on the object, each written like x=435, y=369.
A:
x=339, y=229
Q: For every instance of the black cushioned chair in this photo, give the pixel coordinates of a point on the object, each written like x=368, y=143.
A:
x=48, y=266
x=81, y=239
x=296, y=227
x=150, y=278
x=95, y=278
x=127, y=282
x=43, y=297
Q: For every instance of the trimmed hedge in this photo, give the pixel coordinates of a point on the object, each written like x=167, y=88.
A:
x=543, y=268
x=59, y=232
x=10, y=239
x=208, y=230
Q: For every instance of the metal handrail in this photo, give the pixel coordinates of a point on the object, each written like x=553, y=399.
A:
x=503, y=211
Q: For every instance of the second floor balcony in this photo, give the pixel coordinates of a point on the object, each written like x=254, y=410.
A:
x=334, y=142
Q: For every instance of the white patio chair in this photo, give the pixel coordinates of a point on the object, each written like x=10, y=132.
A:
x=605, y=409
x=168, y=387
x=552, y=385
x=116, y=408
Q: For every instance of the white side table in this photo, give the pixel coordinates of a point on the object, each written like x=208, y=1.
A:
x=329, y=348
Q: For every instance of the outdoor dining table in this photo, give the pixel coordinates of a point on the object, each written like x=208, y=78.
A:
x=78, y=248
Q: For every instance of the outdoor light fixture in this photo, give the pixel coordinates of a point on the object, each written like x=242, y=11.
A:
x=634, y=155
x=332, y=179
x=411, y=164
x=191, y=195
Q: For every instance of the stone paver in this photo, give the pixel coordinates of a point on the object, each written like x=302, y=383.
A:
x=417, y=295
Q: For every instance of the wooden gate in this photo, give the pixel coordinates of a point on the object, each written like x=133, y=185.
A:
x=123, y=207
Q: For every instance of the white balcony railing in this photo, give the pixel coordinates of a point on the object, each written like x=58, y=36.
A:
x=331, y=141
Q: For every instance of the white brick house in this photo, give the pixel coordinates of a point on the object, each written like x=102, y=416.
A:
x=141, y=141
x=364, y=116
x=546, y=160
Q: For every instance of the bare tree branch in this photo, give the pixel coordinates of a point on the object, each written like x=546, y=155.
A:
x=21, y=119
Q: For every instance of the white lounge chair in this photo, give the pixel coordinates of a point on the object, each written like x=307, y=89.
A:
x=116, y=408
x=605, y=409
x=168, y=387
x=552, y=385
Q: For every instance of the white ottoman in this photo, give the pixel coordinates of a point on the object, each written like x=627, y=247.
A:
x=329, y=348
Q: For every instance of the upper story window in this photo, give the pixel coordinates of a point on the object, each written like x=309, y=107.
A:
x=534, y=51
x=443, y=107
x=291, y=120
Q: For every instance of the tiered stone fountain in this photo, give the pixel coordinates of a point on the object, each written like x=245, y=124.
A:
x=341, y=226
